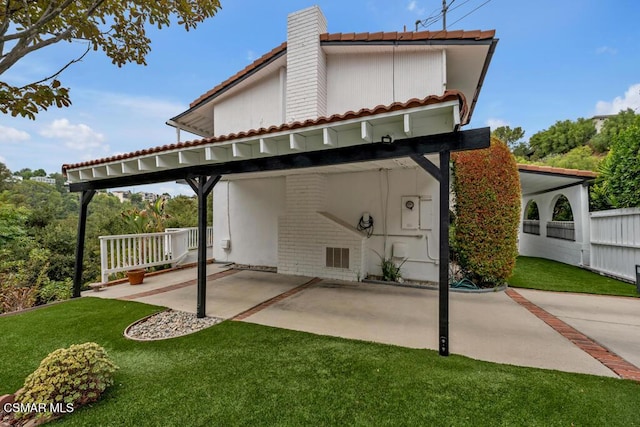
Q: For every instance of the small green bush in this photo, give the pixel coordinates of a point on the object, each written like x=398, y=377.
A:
x=487, y=213
x=70, y=376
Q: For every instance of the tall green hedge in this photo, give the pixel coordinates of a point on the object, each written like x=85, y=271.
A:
x=487, y=213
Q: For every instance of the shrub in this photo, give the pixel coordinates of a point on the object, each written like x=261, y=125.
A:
x=68, y=376
x=620, y=173
x=487, y=211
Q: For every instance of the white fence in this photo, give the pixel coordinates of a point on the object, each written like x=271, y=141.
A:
x=130, y=251
x=615, y=242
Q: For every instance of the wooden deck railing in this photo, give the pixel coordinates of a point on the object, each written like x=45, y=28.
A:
x=131, y=251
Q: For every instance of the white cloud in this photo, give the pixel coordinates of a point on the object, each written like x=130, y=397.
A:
x=8, y=134
x=251, y=56
x=414, y=7
x=606, y=49
x=496, y=123
x=76, y=137
x=631, y=100
x=3, y=160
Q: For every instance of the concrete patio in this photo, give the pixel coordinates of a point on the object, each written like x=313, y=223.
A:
x=490, y=326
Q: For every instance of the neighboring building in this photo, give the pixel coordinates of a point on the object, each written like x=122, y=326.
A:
x=598, y=121
x=43, y=179
x=122, y=195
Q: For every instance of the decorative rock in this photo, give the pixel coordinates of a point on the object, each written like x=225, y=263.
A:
x=168, y=324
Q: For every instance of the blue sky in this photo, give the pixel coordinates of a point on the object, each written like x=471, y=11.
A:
x=555, y=60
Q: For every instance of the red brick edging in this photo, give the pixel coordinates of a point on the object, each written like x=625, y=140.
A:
x=277, y=298
x=608, y=358
x=214, y=276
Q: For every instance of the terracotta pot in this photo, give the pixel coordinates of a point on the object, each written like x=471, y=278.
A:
x=136, y=276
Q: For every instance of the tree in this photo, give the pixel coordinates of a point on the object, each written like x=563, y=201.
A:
x=487, y=213
x=509, y=136
x=117, y=27
x=620, y=172
x=5, y=176
x=562, y=137
x=578, y=158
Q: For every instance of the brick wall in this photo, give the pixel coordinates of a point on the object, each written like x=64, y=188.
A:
x=305, y=231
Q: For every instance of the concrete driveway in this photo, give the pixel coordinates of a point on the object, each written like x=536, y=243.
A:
x=490, y=326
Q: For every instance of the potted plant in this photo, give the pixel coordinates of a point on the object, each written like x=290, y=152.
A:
x=136, y=276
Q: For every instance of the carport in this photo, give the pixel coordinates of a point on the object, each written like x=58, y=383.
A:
x=178, y=162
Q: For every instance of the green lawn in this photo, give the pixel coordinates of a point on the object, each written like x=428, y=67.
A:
x=547, y=275
x=242, y=374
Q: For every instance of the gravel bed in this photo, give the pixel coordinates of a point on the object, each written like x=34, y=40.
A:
x=168, y=324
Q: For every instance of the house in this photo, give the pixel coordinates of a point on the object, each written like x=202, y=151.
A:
x=326, y=154
x=306, y=222
x=43, y=179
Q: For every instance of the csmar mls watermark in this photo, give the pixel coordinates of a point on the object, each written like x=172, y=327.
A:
x=39, y=408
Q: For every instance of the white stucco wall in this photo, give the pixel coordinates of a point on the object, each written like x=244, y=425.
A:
x=259, y=105
x=277, y=224
x=252, y=220
x=569, y=252
x=396, y=78
x=349, y=195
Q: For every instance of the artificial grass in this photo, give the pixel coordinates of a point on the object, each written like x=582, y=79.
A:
x=547, y=275
x=243, y=374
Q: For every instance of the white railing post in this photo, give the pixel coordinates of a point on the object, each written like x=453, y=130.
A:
x=103, y=260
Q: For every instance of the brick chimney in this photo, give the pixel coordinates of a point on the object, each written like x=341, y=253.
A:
x=306, y=96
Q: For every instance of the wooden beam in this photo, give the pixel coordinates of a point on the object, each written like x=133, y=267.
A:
x=366, y=131
x=202, y=186
x=407, y=124
x=240, y=150
x=297, y=142
x=329, y=137
x=453, y=141
x=442, y=175
x=85, y=198
x=443, y=276
x=220, y=154
x=427, y=165
x=268, y=146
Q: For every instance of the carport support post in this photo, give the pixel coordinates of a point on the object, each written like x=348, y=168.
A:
x=442, y=175
x=85, y=198
x=202, y=187
x=443, y=292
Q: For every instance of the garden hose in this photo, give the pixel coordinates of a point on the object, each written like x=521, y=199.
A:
x=464, y=284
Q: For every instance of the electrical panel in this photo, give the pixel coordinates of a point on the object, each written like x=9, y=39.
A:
x=426, y=213
x=410, y=212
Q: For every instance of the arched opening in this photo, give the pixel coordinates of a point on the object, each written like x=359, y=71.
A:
x=562, y=209
x=531, y=222
x=561, y=226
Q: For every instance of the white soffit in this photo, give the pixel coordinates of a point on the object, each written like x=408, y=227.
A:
x=412, y=122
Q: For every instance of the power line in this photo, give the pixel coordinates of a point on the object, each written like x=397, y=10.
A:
x=464, y=16
x=431, y=19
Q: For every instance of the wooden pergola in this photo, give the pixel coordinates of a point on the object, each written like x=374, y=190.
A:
x=203, y=177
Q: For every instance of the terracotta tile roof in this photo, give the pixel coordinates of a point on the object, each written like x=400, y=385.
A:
x=450, y=95
x=409, y=35
x=351, y=37
x=557, y=171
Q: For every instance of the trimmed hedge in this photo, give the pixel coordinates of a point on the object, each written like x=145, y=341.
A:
x=487, y=213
